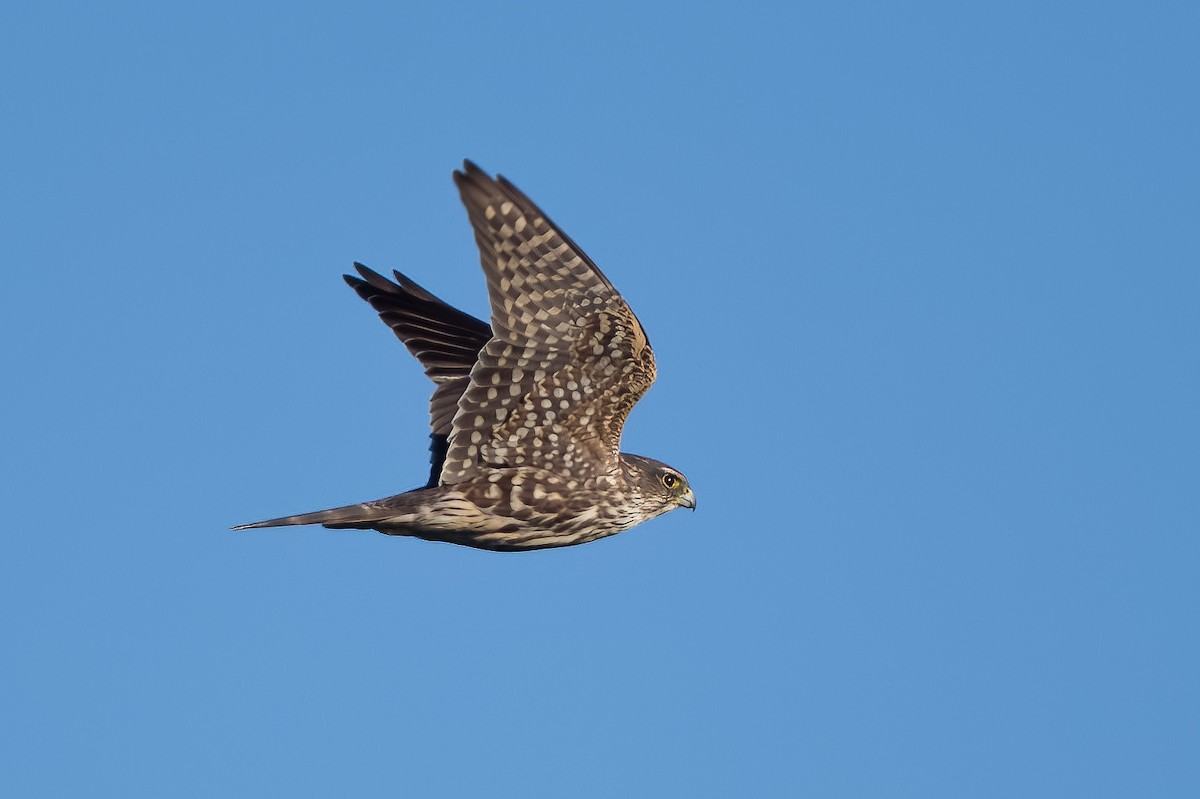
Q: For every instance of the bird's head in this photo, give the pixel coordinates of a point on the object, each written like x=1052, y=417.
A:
x=661, y=488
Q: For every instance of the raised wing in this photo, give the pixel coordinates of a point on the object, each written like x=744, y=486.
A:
x=568, y=359
x=444, y=339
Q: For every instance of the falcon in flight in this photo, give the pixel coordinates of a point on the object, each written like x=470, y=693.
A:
x=527, y=412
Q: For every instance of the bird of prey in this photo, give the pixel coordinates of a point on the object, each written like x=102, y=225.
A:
x=527, y=412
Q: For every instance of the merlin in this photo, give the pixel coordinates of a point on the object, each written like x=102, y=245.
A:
x=527, y=412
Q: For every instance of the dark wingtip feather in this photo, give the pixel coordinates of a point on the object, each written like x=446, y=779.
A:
x=377, y=280
x=409, y=285
x=474, y=183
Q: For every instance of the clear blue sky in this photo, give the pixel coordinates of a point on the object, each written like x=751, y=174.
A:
x=923, y=283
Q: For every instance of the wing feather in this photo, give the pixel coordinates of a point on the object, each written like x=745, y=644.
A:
x=568, y=359
x=444, y=339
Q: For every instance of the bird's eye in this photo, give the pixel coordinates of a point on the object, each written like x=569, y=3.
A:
x=670, y=480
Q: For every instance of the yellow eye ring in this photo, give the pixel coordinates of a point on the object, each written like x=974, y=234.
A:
x=669, y=480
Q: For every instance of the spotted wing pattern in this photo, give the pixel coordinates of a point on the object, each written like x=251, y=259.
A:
x=568, y=358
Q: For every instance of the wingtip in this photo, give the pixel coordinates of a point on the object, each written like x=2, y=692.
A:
x=471, y=174
x=364, y=274
x=409, y=285
x=369, y=277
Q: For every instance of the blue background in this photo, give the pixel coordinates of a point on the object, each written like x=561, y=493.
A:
x=922, y=280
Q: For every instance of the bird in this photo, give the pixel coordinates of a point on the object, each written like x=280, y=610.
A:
x=527, y=411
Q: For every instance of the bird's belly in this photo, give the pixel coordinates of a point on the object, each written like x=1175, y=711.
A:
x=506, y=524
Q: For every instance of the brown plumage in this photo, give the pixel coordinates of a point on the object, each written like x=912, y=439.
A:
x=527, y=413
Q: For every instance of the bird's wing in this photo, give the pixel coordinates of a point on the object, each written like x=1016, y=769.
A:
x=568, y=358
x=444, y=339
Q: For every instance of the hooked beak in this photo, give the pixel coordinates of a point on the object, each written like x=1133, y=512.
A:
x=688, y=500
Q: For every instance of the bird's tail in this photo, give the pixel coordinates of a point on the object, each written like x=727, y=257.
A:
x=362, y=516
